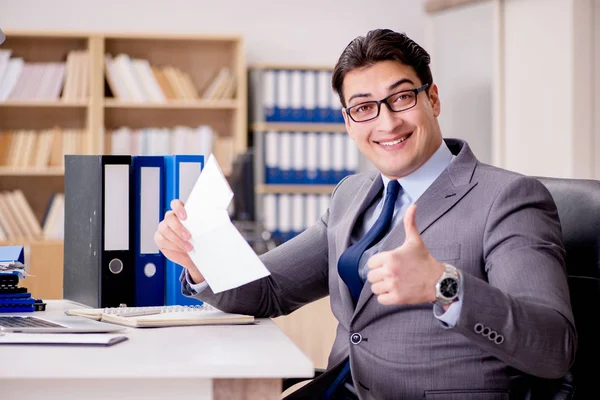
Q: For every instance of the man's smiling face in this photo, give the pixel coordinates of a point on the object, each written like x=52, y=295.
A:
x=398, y=143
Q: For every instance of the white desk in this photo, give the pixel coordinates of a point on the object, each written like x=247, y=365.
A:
x=200, y=362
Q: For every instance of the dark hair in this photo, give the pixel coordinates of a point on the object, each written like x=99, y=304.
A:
x=380, y=45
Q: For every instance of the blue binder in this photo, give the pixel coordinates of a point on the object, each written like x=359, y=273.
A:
x=149, y=206
x=181, y=173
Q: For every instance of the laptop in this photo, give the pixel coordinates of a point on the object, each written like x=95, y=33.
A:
x=66, y=324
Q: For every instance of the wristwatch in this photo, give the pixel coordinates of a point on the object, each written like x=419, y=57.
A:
x=447, y=288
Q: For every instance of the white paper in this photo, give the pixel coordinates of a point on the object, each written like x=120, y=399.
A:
x=60, y=338
x=220, y=252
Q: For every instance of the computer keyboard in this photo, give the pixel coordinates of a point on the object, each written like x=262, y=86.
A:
x=26, y=322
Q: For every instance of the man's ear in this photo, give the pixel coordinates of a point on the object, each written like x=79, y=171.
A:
x=347, y=120
x=434, y=99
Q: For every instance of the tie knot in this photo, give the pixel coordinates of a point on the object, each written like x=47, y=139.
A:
x=393, y=188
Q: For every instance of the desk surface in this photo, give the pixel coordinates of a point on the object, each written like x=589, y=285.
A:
x=243, y=351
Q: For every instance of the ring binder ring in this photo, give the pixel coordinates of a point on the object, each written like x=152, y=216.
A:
x=115, y=266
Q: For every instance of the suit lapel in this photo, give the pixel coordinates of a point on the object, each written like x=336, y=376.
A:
x=447, y=190
x=365, y=195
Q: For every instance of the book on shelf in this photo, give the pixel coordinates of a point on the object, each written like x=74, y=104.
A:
x=162, y=316
x=39, y=149
x=222, y=86
x=135, y=79
x=21, y=80
x=17, y=218
x=78, y=73
x=18, y=221
x=160, y=141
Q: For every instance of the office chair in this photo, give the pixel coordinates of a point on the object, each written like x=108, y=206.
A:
x=578, y=204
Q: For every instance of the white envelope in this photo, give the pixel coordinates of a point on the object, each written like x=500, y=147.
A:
x=220, y=252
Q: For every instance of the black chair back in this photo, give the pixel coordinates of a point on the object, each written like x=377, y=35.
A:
x=578, y=203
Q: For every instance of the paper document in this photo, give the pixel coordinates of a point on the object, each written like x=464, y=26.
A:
x=220, y=252
x=61, y=338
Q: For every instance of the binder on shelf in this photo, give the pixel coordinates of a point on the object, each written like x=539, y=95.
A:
x=271, y=152
x=338, y=148
x=268, y=95
x=270, y=214
x=310, y=96
x=299, y=158
x=285, y=158
x=181, y=173
x=284, y=217
x=312, y=160
x=351, y=162
x=296, y=113
x=149, y=206
x=325, y=163
x=336, y=110
x=99, y=268
x=324, y=95
x=298, y=214
x=282, y=100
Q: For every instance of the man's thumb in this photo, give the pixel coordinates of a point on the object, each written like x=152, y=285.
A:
x=410, y=228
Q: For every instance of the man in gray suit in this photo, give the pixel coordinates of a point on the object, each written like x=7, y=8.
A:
x=447, y=276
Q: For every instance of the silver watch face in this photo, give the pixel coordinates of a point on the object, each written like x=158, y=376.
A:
x=449, y=288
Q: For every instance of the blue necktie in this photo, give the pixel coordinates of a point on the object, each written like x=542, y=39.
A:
x=349, y=260
x=348, y=266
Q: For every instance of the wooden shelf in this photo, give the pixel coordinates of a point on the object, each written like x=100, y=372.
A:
x=297, y=127
x=200, y=56
x=293, y=189
x=31, y=171
x=175, y=104
x=435, y=6
x=30, y=242
x=292, y=67
x=43, y=103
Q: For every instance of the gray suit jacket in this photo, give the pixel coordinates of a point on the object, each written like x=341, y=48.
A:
x=499, y=228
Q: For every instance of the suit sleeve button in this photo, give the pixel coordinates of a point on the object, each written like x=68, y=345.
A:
x=478, y=328
x=499, y=339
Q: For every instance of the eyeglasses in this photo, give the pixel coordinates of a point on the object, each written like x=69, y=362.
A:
x=396, y=102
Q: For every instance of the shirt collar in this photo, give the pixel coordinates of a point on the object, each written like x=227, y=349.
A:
x=416, y=183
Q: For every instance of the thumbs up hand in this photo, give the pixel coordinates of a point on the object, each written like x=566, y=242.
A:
x=407, y=274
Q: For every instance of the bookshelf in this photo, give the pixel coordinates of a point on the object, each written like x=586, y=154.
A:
x=312, y=109
x=295, y=100
x=92, y=110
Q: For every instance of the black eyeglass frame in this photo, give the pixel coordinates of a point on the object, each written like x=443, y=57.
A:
x=416, y=91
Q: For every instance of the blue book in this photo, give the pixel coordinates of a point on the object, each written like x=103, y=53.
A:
x=181, y=173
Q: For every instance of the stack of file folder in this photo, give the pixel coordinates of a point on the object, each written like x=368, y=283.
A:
x=113, y=205
x=12, y=297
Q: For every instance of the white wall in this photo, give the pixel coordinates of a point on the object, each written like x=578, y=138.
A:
x=548, y=93
x=276, y=31
x=596, y=77
x=538, y=70
x=461, y=42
